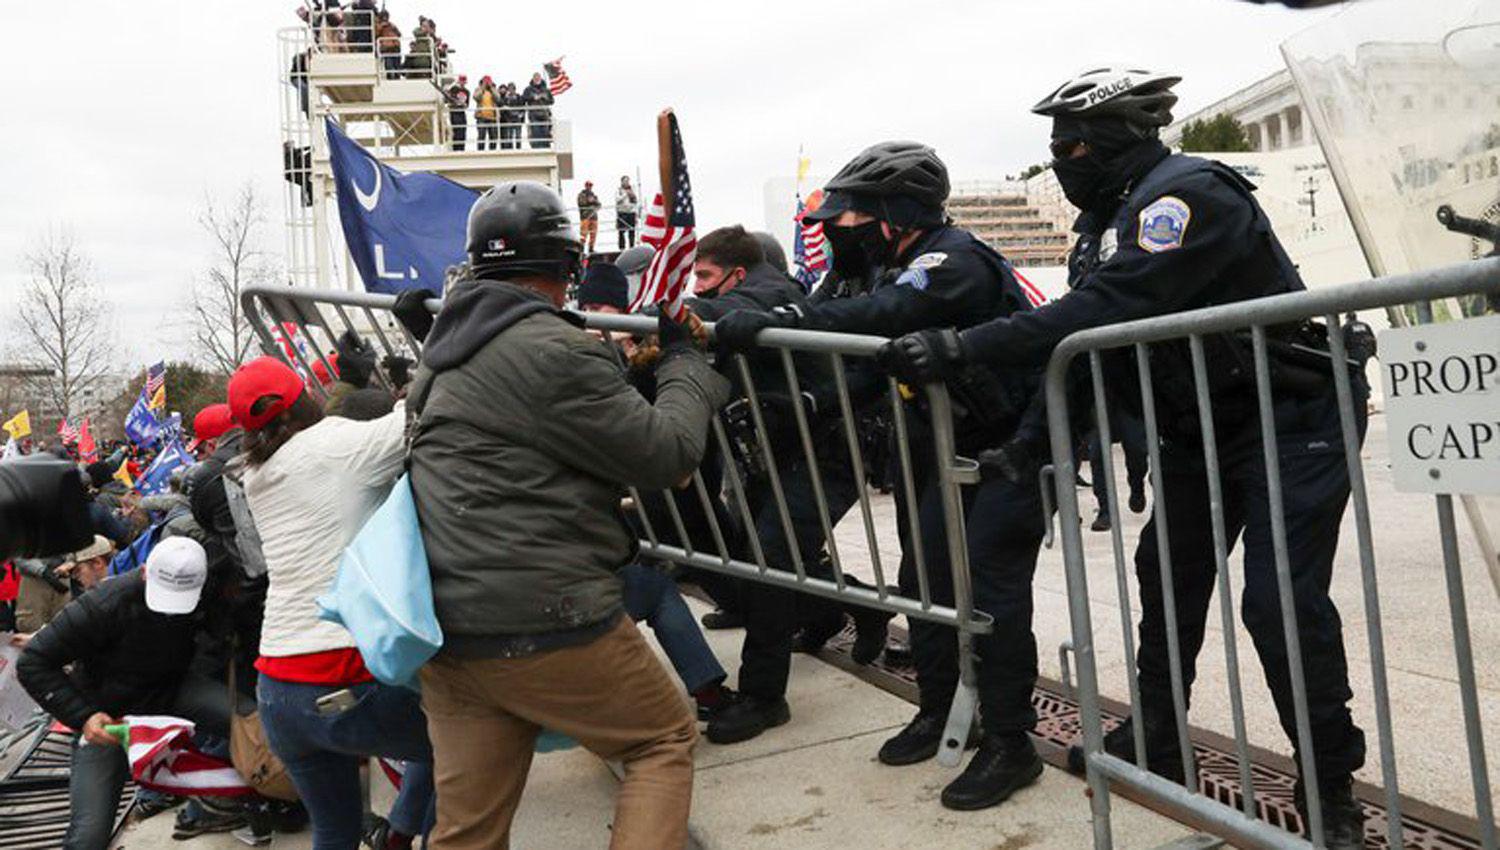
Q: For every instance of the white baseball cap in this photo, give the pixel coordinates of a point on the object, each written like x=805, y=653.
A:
x=175, y=572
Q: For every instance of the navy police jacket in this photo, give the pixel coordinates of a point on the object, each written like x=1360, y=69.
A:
x=949, y=279
x=1188, y=234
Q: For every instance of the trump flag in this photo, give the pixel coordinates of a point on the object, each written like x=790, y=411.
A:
x=403, y=230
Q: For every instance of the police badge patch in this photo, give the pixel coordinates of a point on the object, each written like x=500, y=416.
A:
x=1163, y=224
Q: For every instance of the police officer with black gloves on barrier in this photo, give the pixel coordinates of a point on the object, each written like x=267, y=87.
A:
x=891, y=241
x=1161, y=233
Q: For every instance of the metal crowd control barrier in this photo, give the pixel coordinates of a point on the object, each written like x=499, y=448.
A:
x=1241, y=826
x=300, y=325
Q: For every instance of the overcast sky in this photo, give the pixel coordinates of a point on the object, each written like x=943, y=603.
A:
x=121, y=122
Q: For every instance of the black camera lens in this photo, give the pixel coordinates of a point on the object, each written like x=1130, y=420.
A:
x=43, y=508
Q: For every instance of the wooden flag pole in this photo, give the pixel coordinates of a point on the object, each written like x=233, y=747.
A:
x=664, y=158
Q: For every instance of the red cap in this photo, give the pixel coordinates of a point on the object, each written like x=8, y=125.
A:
x=321, y=372
x=212, y=421
x=262, y=377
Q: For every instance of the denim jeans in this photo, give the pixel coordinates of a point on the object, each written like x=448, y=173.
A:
x=323, y=753
x=652, y=595
x=99, y=772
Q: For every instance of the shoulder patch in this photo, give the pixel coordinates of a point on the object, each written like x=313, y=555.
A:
x=1163, y=224
x=914, y=277
x=928, y=261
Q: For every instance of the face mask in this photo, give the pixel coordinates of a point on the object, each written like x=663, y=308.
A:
x=1081, y=179
x=859, y=250
x=724, y=283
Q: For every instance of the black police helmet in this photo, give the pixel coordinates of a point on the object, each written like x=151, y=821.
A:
x=902, y=182
x=522, y=228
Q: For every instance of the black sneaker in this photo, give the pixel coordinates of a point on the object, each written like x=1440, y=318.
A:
x=920, y=739
x=871, y=629
x=1000, y=768
x=206, y=822
x=720, y=619
x=1137, y=500
x=1343, y=817
x=1163, y=752
x=747, y=718
x=1101, y=521
x=155, y=804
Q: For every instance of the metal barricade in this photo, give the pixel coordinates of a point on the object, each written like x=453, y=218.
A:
x=1195, y=327
x=301, y=325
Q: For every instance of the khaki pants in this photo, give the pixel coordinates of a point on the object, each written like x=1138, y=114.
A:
x=611, y=695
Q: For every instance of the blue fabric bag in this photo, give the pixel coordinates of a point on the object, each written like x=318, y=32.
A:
x=383, y=592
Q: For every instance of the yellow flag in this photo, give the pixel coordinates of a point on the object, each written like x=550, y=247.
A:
x=19, y=425
x=122, y=475
x=803, y=164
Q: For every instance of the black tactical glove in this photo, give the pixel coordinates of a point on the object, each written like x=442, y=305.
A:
x=736, y=332
x=672, y=336
x=923, y=357
x=398, y=368
x=356, y=359
x=413, y=313
x=1014, y=460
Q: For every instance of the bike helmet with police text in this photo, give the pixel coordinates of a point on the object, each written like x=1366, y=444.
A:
x=902, y=182
x=1141, y=99
x=522, y=228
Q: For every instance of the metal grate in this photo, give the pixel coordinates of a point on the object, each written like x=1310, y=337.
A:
x=34, y=793
x=1425, y=827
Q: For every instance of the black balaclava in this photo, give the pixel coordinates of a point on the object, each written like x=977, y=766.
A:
x=1117, y=155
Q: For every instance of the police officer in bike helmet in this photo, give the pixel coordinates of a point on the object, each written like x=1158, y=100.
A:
x=1160, y=233
x=899, y=266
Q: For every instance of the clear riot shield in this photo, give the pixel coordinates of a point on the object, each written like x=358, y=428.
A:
x=1404, y=96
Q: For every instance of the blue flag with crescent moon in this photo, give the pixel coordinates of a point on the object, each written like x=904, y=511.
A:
x=403, y=230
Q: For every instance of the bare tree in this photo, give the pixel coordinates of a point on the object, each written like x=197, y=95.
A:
x=221, y=330
x=64, y=321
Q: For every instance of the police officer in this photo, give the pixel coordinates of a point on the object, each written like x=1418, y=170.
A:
x=1161, y=233
x=885, y=221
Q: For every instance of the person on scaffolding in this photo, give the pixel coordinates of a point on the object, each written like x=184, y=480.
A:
x=885, y=220
x=1161, y=233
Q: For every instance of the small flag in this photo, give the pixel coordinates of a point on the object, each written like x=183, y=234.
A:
x=67, y=432
x=18, y=426
x=156, y=386
x=809, y=245
x=557, y=78
x=669, y=231
x=162, y=757
x=122, y=475
x=87, y=451
x=141, y=425
x=154, y=479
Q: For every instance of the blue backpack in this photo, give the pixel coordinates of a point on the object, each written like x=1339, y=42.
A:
x=134, y=556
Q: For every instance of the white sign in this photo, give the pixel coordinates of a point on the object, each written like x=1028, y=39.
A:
x=1442, y=404
x=16, y=706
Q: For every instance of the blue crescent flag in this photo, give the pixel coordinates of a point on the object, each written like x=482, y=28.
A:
x=403, y=230
x=141, y=425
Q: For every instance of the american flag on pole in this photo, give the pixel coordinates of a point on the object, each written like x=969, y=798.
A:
x=67, y=432
x=156, y=386
x=669, y=229
x=557, y=78
x=162, y=756
x=809, y=249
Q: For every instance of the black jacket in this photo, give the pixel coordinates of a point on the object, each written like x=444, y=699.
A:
x=125, y=658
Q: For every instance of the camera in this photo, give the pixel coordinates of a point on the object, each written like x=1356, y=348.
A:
x=43, y=507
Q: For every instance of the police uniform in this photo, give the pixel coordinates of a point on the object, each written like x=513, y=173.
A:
x=1188, y=234
x=952, y=279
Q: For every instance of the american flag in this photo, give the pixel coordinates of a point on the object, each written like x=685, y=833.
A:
x=1033, y=293
x=809, y=249
x=156, y=386
x=67, y=432
x=557, y=78
x=671, y=234
x=162, y=757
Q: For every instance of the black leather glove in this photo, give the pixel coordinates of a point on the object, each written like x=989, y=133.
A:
x=1014, y=460
x=923, y=357
x=673, y=336
x=736, y=332
x=412, y=313
x=398, y=368
x=356, y=359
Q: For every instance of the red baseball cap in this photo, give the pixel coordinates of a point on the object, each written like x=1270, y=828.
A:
x=211, y=423
x=258, y=379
